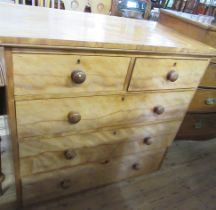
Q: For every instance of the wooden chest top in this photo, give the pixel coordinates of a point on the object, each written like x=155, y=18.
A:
x=47, y=27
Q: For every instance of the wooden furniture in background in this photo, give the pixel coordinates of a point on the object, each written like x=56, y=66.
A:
x=78, y=114
x=58, y=4
x=97, y=6
x=200, y=122
x=114, y=8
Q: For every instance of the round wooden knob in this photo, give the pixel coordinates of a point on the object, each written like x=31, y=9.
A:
x=65, y=184
x=148, y=140
x=172, y=76
x=69, y=154
x=136, y=166
x=74, y=117
x=159, y=110
x=78, y=76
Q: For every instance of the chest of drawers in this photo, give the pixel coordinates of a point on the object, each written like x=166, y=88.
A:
x=85, y=112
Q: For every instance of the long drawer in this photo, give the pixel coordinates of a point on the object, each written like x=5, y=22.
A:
x=44, y=74
x=209, y=78
x=58, y=117
x=166, y=73
x=42, y=155
x=204, y=101
x=63, y=182
x=198, y=127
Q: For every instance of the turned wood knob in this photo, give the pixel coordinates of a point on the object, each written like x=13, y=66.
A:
x=159, y=110
x=65, y=184
x=136, y=166
x=172, y=76
x=74, y=117
x=69, y=154
x=78, y=76
x=148, y=140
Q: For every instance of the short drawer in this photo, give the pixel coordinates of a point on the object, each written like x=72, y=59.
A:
x=166, y=73
x=43, y=155
x=59, y=117
x=41, y=74
x=63, y=182
x=209, y=78
x=198, y=127
x=204, y=101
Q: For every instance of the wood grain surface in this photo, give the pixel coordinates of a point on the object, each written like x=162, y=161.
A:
x=186, y=176
x=41, y=74
x=11, y=122
x=204, y=101
x=193, y=26
x=209, y=39
x=195, y=20
x=209, y=78
x=184, y=182
x=151, y=74
x=54, y=28
x=182, y=26
x=43, y=155
x=198, y=126
x=2, y=68
x=45, y=186
x=49, y=117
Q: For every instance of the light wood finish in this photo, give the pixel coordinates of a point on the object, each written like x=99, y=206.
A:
x=46, y=186
x=201, y=21
x=91, y=139
x=209, y=79
x=2, y=68
x=52, y=161
x=204, y=101
x=151, y=74
x=185, y=163
x=41, y=74
x=53, y=29
x=210, y=39
x=44, y=113
x=11, y=121
x=43, y=155
x=184, y=182
x=97, y=112
x=189, y=25
x=198, y=126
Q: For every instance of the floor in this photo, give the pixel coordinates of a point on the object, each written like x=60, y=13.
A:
x=186, y=181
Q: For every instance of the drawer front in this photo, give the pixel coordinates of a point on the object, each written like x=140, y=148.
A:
x=42, y=155
x=62, y=182
x=40, y=74
x=154, y=73
x=204, y=101
x=58, y=117
x=209, y=78
x=198, y=127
